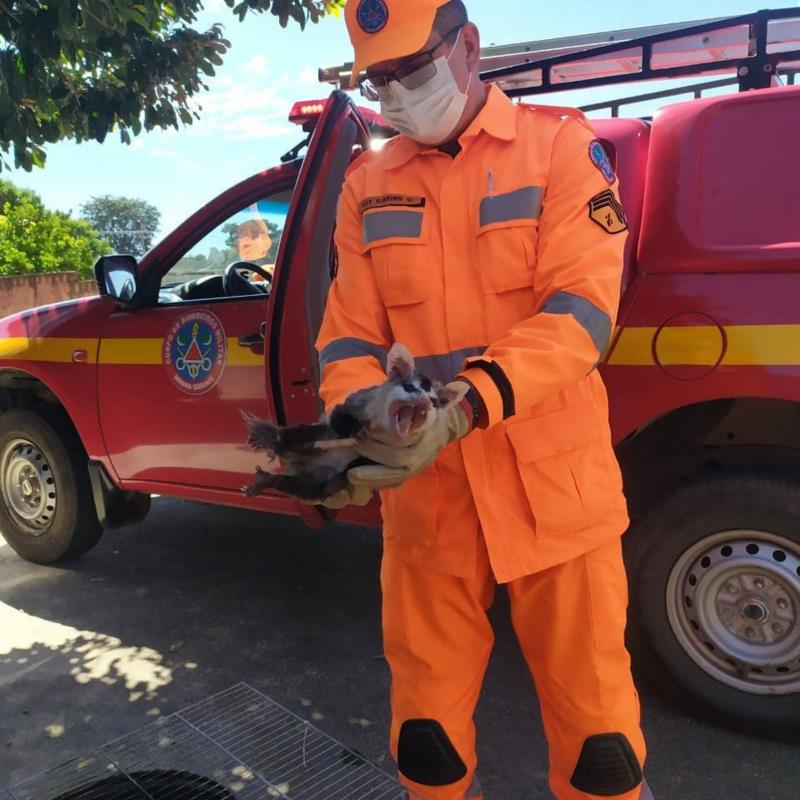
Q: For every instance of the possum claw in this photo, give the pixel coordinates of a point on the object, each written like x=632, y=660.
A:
x=262, y=481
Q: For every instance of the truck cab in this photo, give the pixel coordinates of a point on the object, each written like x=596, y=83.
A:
x=140, y=390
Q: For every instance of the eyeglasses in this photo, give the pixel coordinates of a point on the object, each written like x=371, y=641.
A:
x=412, y=75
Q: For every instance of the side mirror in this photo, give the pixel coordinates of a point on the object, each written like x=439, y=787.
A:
x=116, y=277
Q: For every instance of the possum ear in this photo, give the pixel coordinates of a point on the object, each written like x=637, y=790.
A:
x=453, y=392
x=399, y=362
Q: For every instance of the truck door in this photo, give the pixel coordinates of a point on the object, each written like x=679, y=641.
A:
x=175, y=376
x=301, y=283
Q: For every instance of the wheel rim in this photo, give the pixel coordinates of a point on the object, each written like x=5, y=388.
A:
x=733, y=602
x=28, y=486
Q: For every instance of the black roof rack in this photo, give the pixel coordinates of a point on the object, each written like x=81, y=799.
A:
x=754, y=50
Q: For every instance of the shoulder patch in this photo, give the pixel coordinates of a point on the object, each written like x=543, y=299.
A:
x=606, y=211
x=599, y=157
x=384, y=200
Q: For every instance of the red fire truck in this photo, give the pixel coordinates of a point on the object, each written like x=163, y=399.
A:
x=139, y=390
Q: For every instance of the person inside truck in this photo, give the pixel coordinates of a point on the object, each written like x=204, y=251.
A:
x=253, y=243
x=488, y=238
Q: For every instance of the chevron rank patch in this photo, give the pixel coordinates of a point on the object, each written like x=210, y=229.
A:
x=605, y=210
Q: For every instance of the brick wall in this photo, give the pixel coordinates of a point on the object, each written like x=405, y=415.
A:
x=27, y=291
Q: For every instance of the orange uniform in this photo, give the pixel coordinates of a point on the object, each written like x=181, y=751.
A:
x=490, y=257
x=500, y=264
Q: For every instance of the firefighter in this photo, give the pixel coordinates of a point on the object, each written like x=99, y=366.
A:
x=488, y=238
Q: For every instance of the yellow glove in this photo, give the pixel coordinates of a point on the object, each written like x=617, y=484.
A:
x=375, y=477
x=398, y=459
x=351, y=495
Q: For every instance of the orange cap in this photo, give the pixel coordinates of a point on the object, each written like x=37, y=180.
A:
x=381, y=30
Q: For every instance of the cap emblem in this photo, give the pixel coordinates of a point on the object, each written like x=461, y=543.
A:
x=372, y=15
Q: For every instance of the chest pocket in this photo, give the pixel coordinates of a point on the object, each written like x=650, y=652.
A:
x=508, y=231
x=393, y=239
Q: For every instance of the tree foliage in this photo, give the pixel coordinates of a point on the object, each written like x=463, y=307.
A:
x=127, y=222
x=33, y=239
x=78, y=70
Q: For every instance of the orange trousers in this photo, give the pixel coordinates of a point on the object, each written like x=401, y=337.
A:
x=570, y=621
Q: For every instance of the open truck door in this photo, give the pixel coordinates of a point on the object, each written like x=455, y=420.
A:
x=303, y=274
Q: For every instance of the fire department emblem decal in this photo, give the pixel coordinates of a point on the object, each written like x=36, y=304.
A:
x=194, y=352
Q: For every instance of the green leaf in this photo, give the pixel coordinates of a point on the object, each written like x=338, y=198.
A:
x=80, y=68
x=138, y=18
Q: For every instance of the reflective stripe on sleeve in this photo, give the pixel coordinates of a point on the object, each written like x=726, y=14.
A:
x=592, y=319
x=350, y=347
x=525, y=203
x=445, y=366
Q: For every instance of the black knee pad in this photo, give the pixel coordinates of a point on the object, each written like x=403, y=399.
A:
x=607, y=766
x=425, y=755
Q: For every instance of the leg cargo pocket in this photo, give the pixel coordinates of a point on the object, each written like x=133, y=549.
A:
x=567, y=467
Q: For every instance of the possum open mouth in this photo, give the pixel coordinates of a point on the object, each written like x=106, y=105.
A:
x=406, y=416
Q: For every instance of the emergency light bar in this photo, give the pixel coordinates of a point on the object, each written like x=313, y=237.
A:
x=307, y=113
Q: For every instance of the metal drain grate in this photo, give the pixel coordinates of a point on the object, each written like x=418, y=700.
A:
x=236, y=745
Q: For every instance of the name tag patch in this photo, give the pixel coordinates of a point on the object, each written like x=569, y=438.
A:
x=384, y=200
x=605, y=210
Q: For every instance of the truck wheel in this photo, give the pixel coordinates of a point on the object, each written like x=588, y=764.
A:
x=714, y=571
x=46, y=509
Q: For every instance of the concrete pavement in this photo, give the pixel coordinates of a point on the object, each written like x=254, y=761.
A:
x=198, y=598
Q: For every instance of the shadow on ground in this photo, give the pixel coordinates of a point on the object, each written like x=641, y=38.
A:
x=199, y=598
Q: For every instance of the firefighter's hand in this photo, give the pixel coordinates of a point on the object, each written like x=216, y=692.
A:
x=351, y=495
x=401, y=458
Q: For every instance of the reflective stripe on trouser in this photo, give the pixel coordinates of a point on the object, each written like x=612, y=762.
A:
x=570, y=621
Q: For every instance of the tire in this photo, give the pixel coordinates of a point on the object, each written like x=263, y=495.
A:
x=47, y=513
x=714, y=572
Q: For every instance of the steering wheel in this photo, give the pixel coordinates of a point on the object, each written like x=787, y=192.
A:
x=234, y=283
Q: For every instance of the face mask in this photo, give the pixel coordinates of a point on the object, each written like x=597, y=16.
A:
x=429, y=113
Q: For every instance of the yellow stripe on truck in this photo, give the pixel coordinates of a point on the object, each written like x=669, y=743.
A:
x=151, y=351
x=239, y=356
x=133, y=352
x=123, y=352
x=747, y=345
x=751, y=345
x=20, y=348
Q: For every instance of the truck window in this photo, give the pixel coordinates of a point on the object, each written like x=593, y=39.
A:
x=251, y=235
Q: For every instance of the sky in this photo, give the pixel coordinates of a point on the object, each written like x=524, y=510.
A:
x=244, y=125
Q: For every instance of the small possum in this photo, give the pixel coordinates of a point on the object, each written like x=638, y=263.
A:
x=315, y=457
